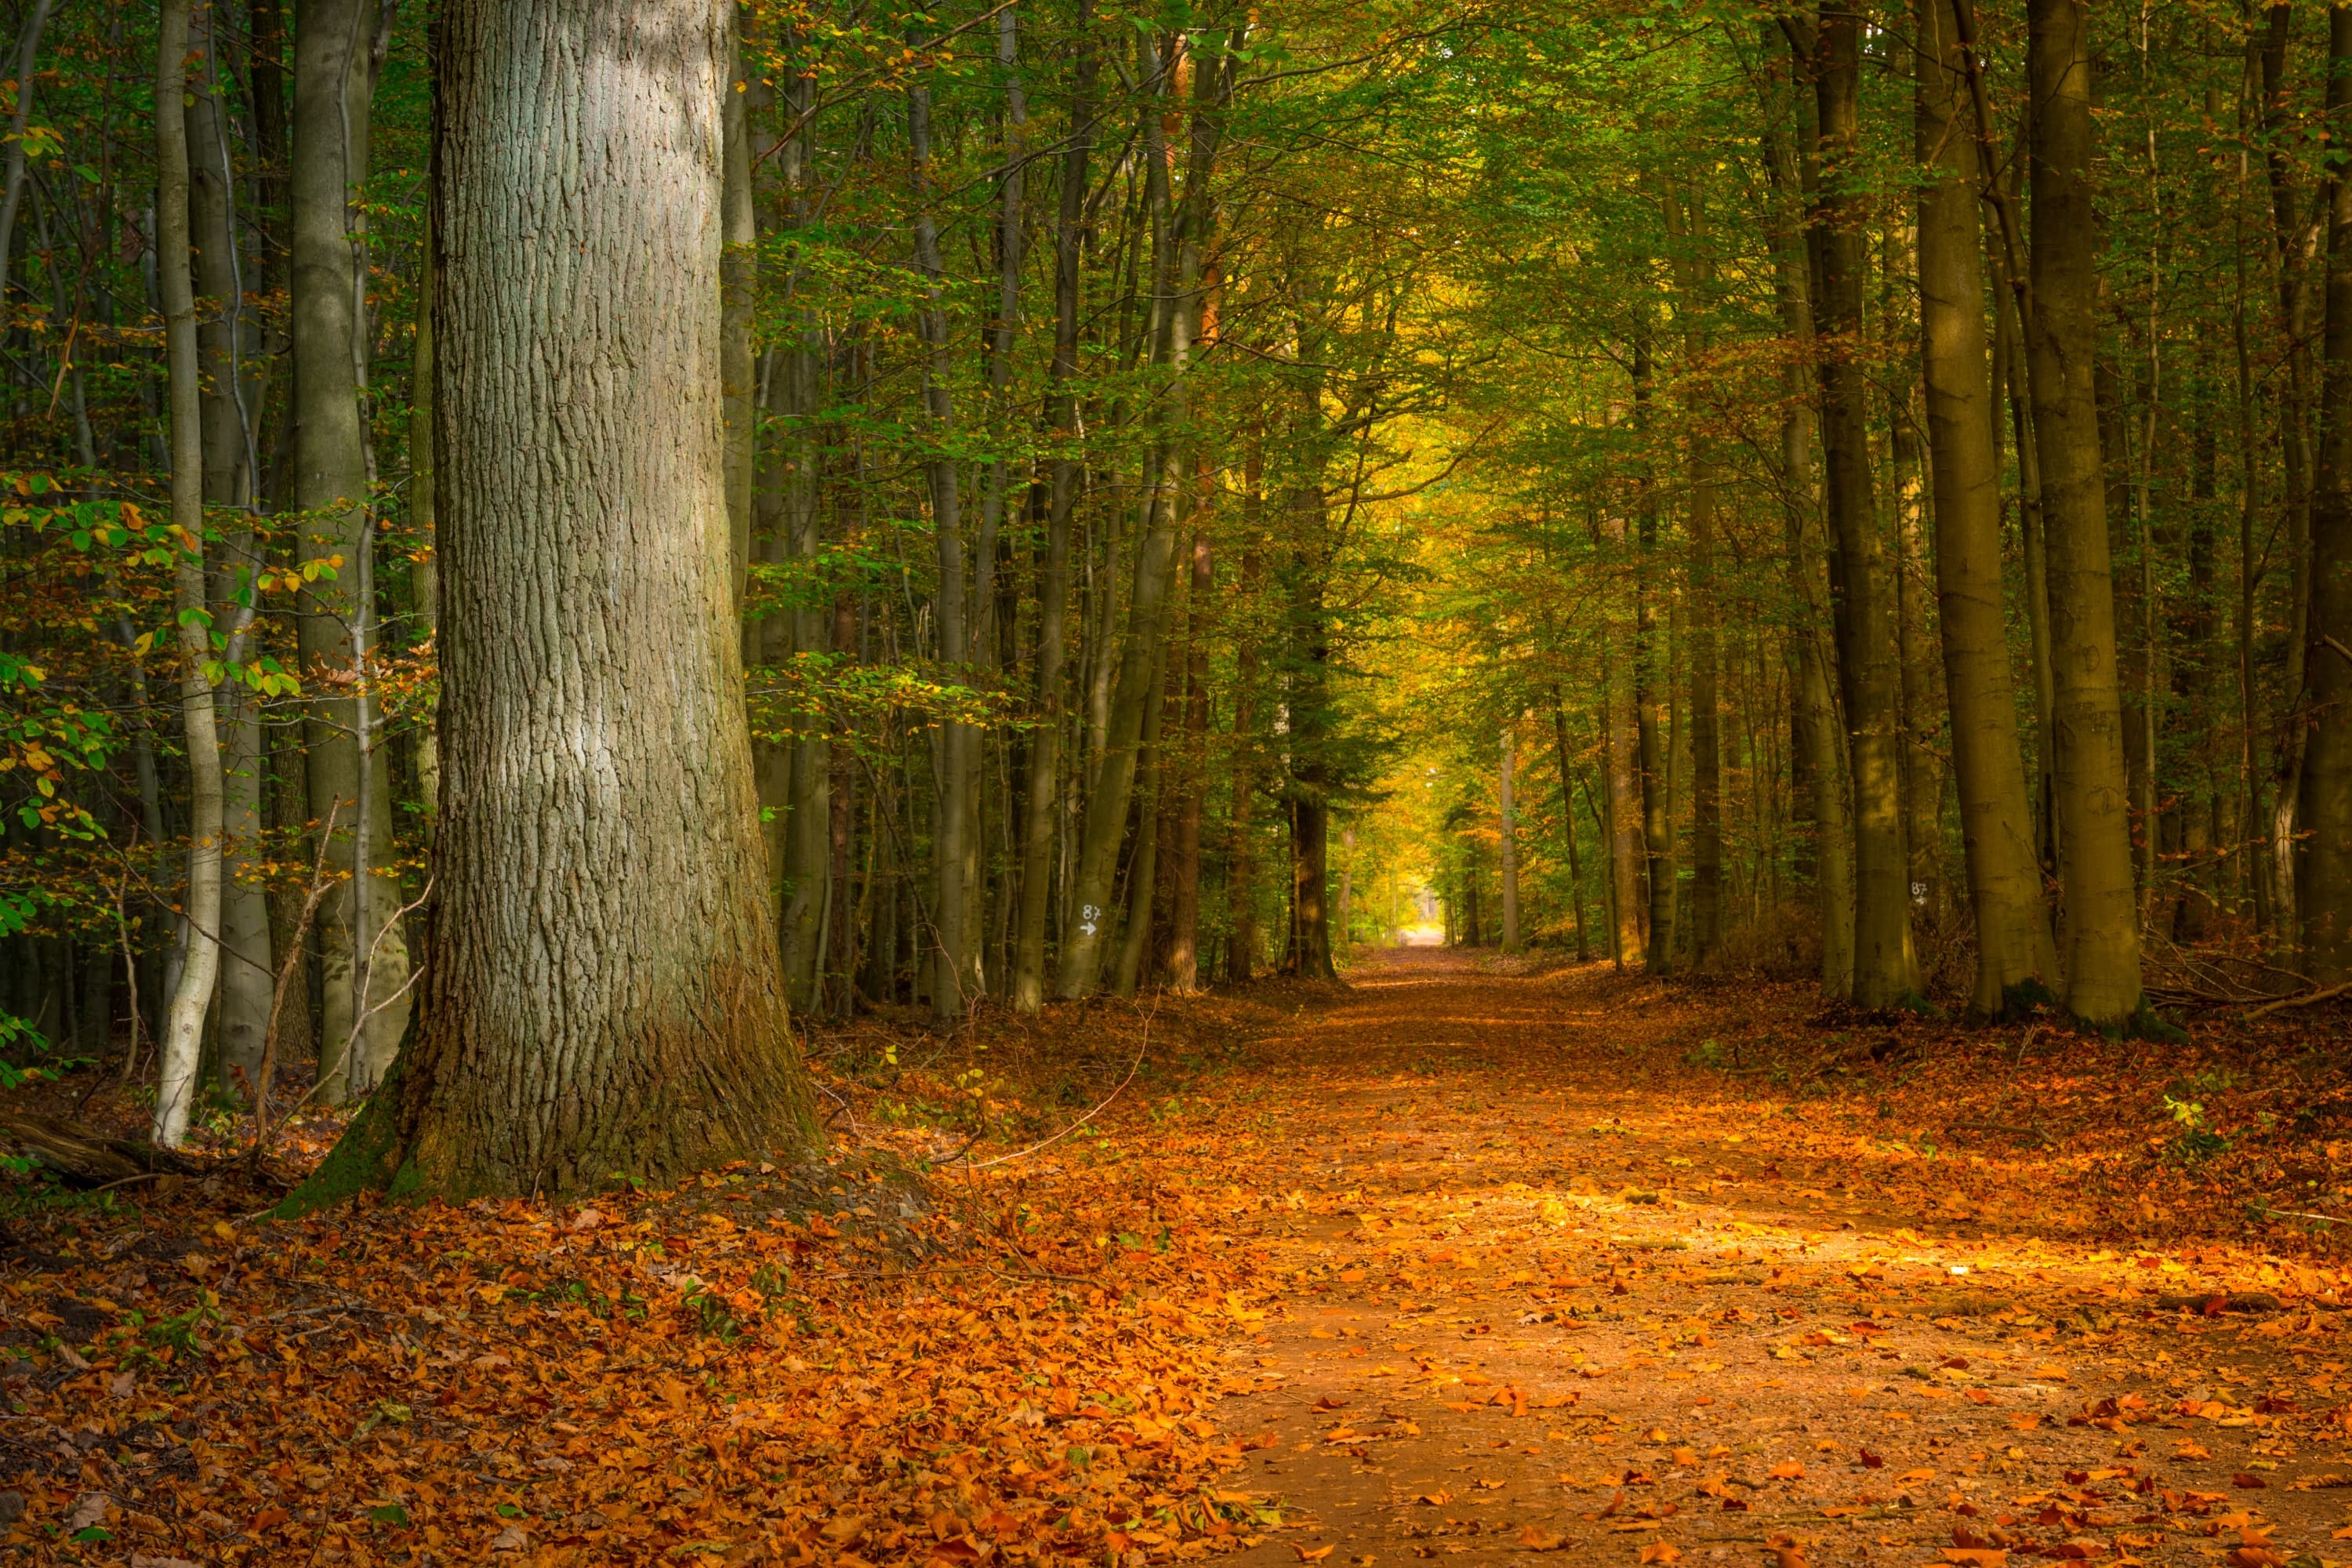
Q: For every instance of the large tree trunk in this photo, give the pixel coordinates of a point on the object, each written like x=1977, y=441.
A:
x=1868, y=675
x=2325, y=800
x=2013, y=943
x=335, y=61
x=2102, y=913
x=183, y=1027
x=605, y=1000
x=1040, y=818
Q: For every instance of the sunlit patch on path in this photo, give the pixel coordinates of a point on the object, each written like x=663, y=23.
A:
x=1532, y=1303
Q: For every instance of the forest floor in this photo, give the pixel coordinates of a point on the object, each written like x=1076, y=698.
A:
x=1460, y=1260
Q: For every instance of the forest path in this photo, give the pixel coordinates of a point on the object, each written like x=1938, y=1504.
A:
x=1545, y=1288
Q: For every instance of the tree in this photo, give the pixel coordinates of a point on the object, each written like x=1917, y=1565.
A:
x=1884, y=974
x=603, y=999
x=2014, y=950
x=2101, y=917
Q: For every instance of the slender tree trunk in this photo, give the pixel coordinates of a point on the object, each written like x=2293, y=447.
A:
x=2014, y=950
x=183, y=1027
x=1184, y=854
x=1817, y=771
x=1241, y=860
x=16, y=179
x=1044, y=807
x=1567, y=819
x=2292, y=237
x=1624, y=819
x=569, y=1042
x=2324, y=803
x=1694, y=275
x=228, y=392
x=1181, y=288
x=1650, y=684
x=1868, y=674
x=335, y=62
x=953, y=988
x=2102, y=913
x=1510, y=850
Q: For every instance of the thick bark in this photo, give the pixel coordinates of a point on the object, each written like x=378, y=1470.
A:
x=2102, y=916
x=605, y=1000
x=2013, y=942
x=335, y=62
x=1869, y=678
x=183, y=1027
x=2324, y=803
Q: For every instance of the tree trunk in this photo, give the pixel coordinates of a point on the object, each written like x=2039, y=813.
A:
x=1510, y=852
x=953, y=984
x=2014, y=950
x=2290, y=234
x=1180, y=287
x=1184, y=853
x=228, y=391
x=1649, y=684
x=1567, y=819
x=1693, y=275
x=2325, y=800
x=1868, y=677
x=1040, y=816
x=2102, y=915
x=183, y=1027
x=335, y=62
x=604, y=1001
x=1625, y=821
x=1241, y=859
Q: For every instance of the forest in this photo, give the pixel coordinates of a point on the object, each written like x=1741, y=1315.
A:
x=1860, y=493
x=826, y=782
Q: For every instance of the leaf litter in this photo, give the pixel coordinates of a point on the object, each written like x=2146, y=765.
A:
x=1452, y=1262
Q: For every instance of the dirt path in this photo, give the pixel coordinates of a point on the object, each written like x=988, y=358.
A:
x=1534, y=1301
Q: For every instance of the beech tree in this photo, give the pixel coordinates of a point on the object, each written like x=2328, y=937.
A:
x=606, y=996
